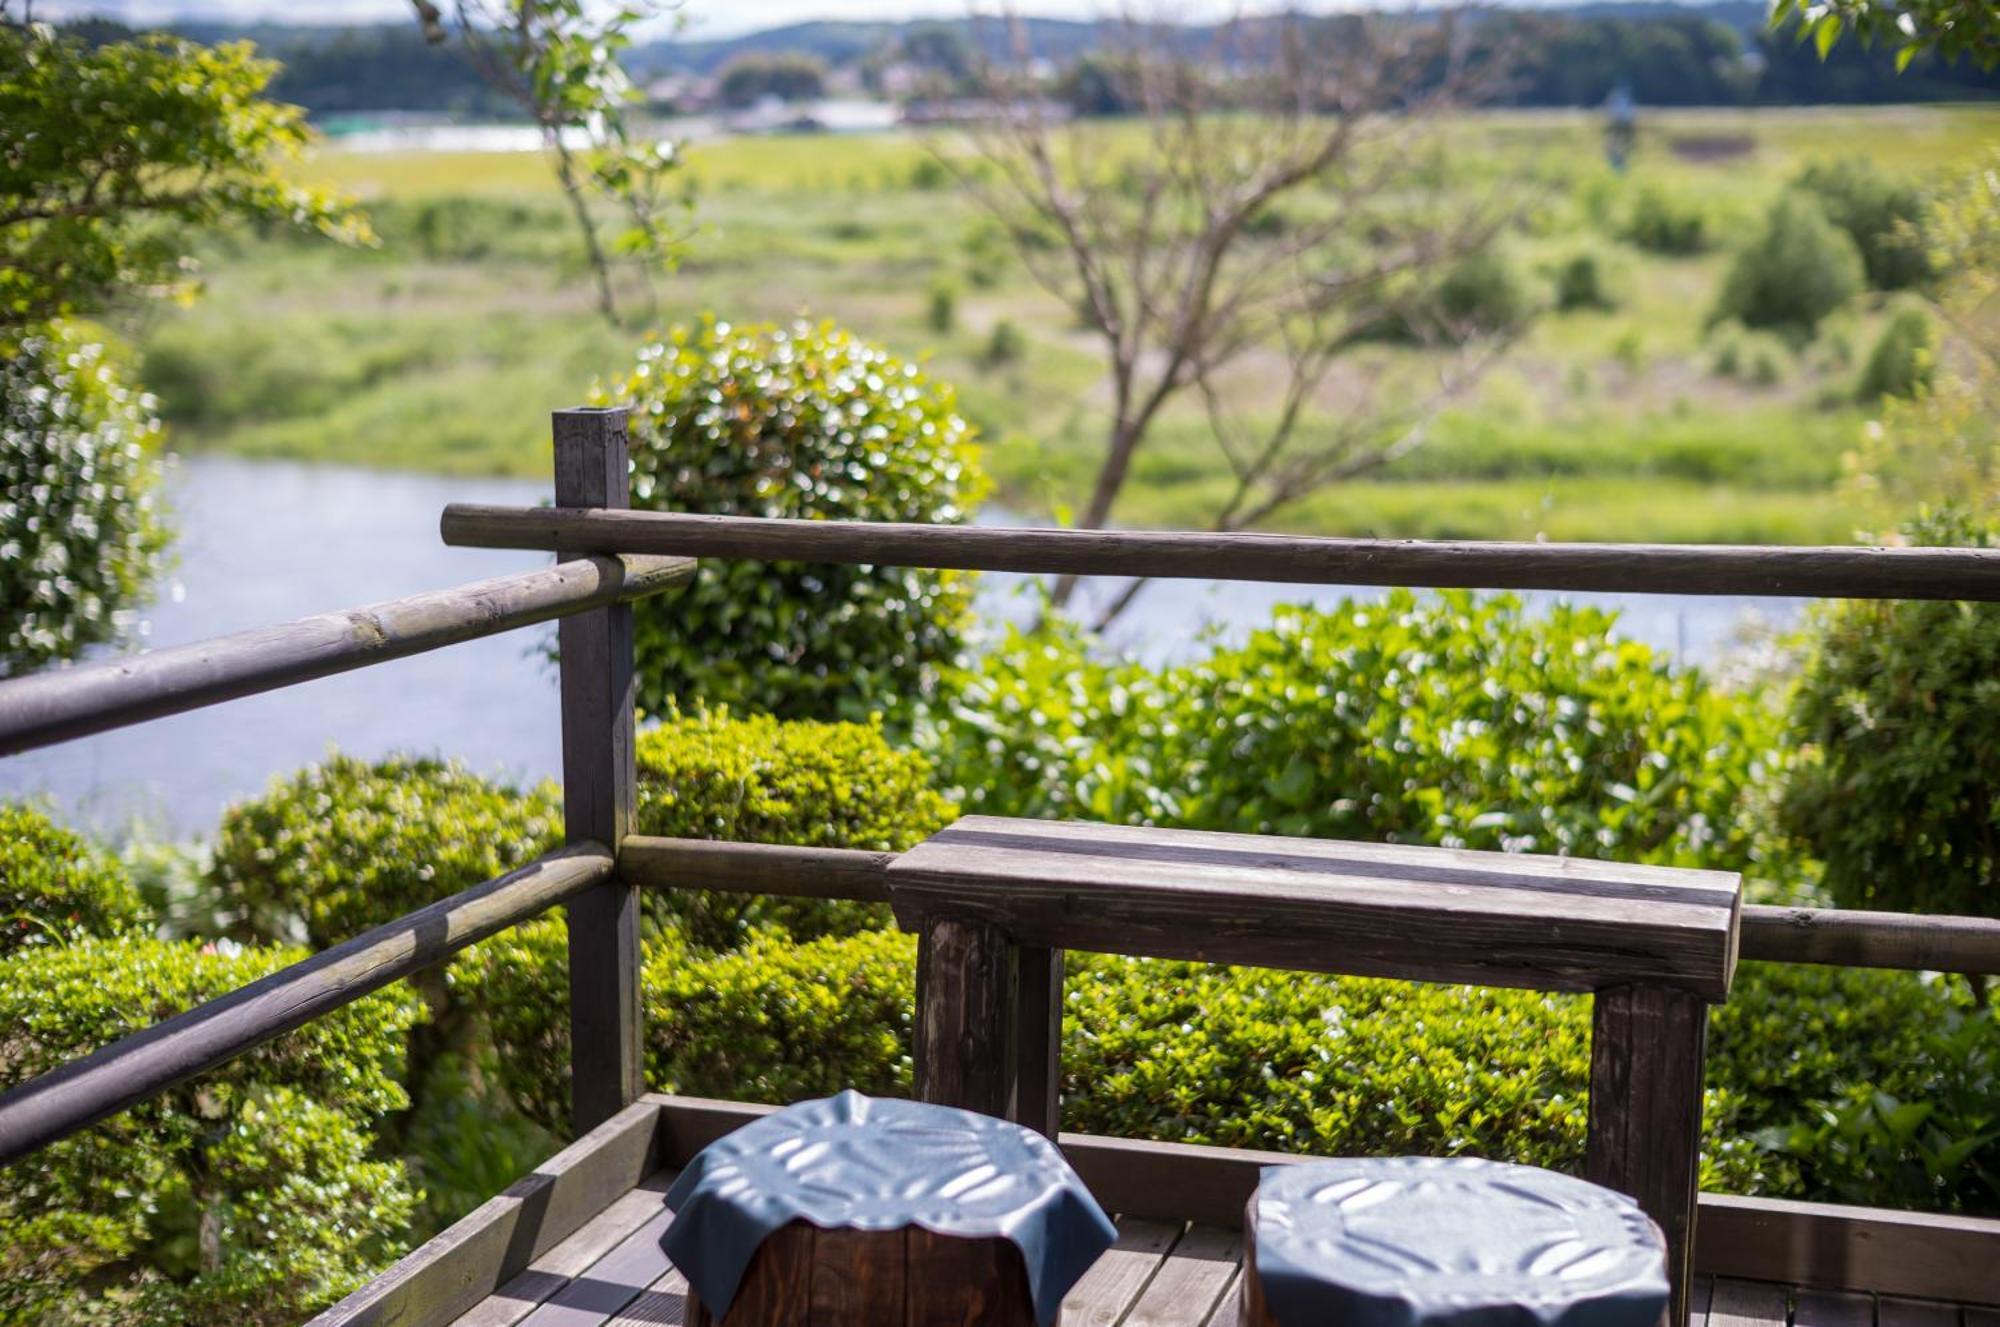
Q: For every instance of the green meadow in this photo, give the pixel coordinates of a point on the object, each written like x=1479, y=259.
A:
x=444, y=347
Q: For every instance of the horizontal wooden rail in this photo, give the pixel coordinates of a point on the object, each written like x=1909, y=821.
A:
x=68, y=703
x=1836, y=572
x=1831, y=936
x=127, y=1072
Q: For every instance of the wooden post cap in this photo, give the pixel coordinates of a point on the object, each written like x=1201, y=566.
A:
x=1425, y=1241
x=850, y=1210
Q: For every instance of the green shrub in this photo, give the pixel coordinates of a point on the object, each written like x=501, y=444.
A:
x=1582, y=283
x=55, y=887
x=1482, y=293
x=82, y=529
x=248, y=1196
x=1903, y=357
x=1294, y=1061
x=346, y=844
x=1883, y=215
x=762, y=780
x=776, y=1021
x=1663, y=224
x=799, y=421
x=1898, y=717
x=1797, y=271
x=1004, y=345
x=942, y=314
x=1445, y=718
x=1758, y=358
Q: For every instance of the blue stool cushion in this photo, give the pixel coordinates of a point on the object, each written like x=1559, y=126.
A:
x=852, y=1162
x=1452, y=1242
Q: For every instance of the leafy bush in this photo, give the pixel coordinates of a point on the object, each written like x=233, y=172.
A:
x=82, y=531
x=249, y=1196
x=1898, y=716
x=798, y=421
x=776, y=1021
x=1796, y=272
x=1757, y=358
x=1582, y=283
x=1005, y=344
x=1292, y=1061
x=761, y=780
x=1883, y=215
x=942, y=314
x=1482, y=293
x=1903, y=357
x=1663, y=224
x=1446, y=718
x=347, y=844
x=55, y=888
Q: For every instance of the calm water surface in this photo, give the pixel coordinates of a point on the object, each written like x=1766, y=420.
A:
x=263, y=542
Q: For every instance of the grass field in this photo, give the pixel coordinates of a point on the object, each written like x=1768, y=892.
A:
x=445, y=348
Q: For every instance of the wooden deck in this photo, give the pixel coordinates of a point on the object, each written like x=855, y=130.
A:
x=577, y=1244
x=611, y=1273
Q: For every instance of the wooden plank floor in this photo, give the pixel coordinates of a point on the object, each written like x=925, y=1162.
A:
x=611, y=1273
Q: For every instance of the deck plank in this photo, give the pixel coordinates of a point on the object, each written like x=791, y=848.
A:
x=1747, y=1304
x=1229, y=1309
x=1700, y=1291
x=664, y=1304
x=1976, y=1316
x=1116, y=1280
x=1893, y=1312
x=611, y=1283
x=1191, y=1281
x=553, y=1270
x=1833, y=1308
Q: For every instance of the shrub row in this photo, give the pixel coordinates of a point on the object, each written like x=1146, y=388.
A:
x=1298, y=1062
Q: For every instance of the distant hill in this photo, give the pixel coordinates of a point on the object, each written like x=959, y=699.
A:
x=1665, y=54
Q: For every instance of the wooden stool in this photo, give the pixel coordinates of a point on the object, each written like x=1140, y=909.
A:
x=1425, y=1241
x=803, y=1275
x=851, y=1211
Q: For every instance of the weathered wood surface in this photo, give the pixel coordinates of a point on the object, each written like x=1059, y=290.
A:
x=1646, y=1055
x=1159, y=1271
x=1858, y=939
x=1428, y=914
x=66, y=703
x=1747, y=1304
x=965, y=977
x=485, y=1252
x=1830, y=572
x=1827, y=1246
x=1034, y=1050
x=1771, y=1239
x=600, y=789
x=803, y=1276
x=756, y=868
x=1768, y=934
x=147, y=1063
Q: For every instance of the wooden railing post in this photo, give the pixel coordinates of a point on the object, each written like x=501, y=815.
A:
x=599, y=793
x=989, y=1021
x=1646, y=1050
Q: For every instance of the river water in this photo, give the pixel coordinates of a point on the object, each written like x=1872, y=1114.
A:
x=263, y=542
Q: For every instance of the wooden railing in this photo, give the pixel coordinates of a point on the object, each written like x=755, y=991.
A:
x=612, y=556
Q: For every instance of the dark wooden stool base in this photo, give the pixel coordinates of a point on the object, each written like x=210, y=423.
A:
x=1251, y=1309
x=803, y=1276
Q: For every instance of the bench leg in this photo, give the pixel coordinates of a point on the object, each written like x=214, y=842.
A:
x=989, y=1022
x=1646, y=1051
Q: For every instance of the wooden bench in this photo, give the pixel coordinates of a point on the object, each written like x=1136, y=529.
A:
x=995, y=901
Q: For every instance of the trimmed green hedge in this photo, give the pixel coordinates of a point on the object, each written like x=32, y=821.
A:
x=778, y=1020
x=55, y=887
x=1248, y=1057
x=347, y=844
x=251, y=1195
x=710, y=775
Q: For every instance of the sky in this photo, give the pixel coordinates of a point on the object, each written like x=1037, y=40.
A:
x=702, y=18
